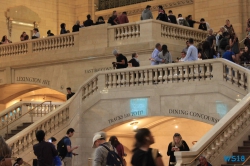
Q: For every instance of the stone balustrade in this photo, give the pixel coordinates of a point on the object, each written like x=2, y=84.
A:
x=224, y=133
x=188, y=72
x=17, y=111
x=140, y=31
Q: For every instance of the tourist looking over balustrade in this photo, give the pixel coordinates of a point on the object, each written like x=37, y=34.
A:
x=182, y=21
x=172, y=17
x=76, y=27
x=113, y=20
x=192, y=53
x=162, y=14
x=36, y=33
x=63, y=29
x=190, y=21
x=203, y=25
x=146, y=13
x=88, y=22
x=49, y=33
x=100, y=20
x=5, y=40
x=24, y=36
x=123, y=18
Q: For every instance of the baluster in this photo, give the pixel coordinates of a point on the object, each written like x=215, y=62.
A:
x=114, y=80
x=118, y=79
x=186, y=75
x=196, y=72
x=127, y=79
x=160, y=77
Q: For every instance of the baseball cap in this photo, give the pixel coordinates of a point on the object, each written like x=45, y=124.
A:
x=97, y=136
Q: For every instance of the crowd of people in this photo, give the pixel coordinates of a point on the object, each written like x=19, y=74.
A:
x=143, y=154
x=51, y=153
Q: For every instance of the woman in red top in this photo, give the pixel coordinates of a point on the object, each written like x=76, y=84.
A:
x=118, y=146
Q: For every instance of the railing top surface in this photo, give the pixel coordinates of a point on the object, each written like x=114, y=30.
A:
x=7, y=110
x=39, y=39
x=159, y=22
x=218, y=128
x=180, y=64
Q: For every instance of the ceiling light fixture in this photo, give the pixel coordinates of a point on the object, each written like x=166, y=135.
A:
x=176, y=126
x=134, y=124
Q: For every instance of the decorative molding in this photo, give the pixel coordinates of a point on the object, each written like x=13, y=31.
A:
x=153, y=8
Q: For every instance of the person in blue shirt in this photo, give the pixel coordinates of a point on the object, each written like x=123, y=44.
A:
x=192, y=52
x=155, y=60
x=229, y=55
x=68, y=158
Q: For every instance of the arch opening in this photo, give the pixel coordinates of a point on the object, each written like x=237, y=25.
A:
x=162, y=128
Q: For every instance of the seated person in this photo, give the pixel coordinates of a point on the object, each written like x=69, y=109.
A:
x=203, y=161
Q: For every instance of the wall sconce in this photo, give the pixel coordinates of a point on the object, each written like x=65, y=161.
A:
x=134, y=124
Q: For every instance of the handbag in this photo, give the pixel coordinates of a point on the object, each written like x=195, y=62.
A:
x=6, y=162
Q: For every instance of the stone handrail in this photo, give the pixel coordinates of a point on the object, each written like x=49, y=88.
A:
x=151, y=30
x=224, y=132
x=51, y=121
x=38, y=45
x=15, y=111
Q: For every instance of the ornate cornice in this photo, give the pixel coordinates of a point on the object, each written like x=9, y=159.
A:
x=153, y=8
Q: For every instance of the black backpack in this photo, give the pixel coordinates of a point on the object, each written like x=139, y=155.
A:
x=62, y=148
x=113, y=158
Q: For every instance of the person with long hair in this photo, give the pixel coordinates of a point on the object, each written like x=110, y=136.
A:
x=229, y=27
x=143, y=154
x=245, y=56
x=176, y=145
x=5, y=151
x=5, y=40
x=118, y=147
x=206, y=52
x=165, y=54
x=19, y=161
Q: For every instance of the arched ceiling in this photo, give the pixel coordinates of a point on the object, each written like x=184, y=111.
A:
x=12, y=91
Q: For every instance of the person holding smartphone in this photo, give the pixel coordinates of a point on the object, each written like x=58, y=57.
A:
x=177, y=145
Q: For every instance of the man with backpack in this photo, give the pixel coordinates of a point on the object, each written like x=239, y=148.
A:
x=104, y=154
x=64, y=148
x=182, y=21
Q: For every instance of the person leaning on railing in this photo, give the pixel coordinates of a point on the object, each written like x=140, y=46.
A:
x=36, y=33
x=5, y=153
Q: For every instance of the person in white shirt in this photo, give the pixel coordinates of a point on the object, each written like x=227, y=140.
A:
x=183, y=55
x=192, y=53
x=182, y=21
x=36, y=33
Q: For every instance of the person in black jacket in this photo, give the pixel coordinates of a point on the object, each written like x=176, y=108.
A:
x=100, y=20
x=76, y=27
x=134, y=61
x=207, y=52
x=162, y=14
x=121, y=60
x=177, y=145
x=63, y=29
x=88, y=22
x=172, y=17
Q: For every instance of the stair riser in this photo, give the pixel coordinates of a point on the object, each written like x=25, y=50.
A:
x=244, y=149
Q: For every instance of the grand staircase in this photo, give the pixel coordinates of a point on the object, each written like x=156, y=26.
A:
x=241, y=155
x=17, y=130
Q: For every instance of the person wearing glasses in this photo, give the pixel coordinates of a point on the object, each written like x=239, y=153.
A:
x=177, y=145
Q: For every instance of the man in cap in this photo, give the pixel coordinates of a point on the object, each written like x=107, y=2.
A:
x=121, y=60
x=101, y=153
